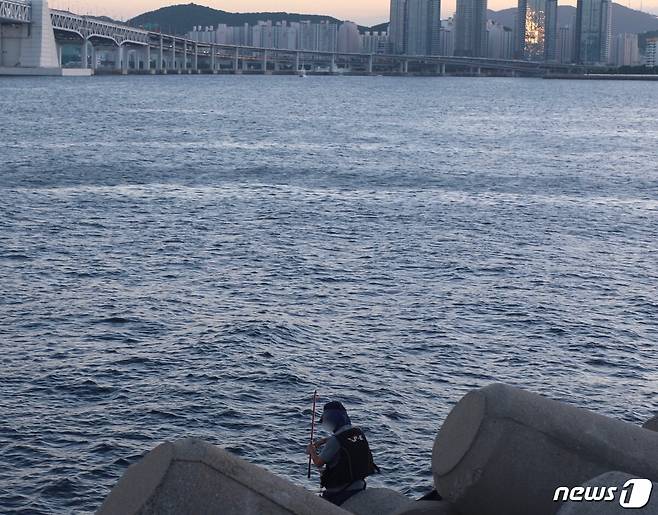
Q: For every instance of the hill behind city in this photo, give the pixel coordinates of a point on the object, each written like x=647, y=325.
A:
x=179, y=19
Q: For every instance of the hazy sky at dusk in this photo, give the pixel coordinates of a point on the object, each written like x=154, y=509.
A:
x=367, y=12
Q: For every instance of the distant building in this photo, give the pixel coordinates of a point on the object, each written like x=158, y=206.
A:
x=536, y=30
x=565, y=45
x=303, y=35
x=500, y=41
x=375, y=42
x=593, y=31
x=422, y=27
x=650, y=56
x=307, y=36
x=349, y=39
x=625, y=50
x=471, y=28
x=447, y=44
x=285, y=36
x=262, y=35
x=223, y=35
x=327, y=36
x=396, y=27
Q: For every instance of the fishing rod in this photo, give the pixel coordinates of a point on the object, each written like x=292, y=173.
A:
x=315, y=396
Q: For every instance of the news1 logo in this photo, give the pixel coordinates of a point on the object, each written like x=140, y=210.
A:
x=634, y=494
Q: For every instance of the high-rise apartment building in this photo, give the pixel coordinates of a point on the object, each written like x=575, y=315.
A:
x=650, y=56
x=536, y=30
x=415, y=27
x=374, y=42
x=471, y=28
x=349, y=39
x=500, y=43
x=447, y=45
x=396, y=27
x=422, y=27
x=625, y=50
x=593, y=31
x=565, y=45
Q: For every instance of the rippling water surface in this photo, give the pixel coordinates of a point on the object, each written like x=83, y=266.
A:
x=192, y=256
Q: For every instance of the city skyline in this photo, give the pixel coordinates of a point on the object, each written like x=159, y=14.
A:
x=365, y=12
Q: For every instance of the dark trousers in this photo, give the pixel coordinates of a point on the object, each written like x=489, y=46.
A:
x=339, y=498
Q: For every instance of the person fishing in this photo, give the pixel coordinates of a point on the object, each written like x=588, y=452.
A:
x=345, y=455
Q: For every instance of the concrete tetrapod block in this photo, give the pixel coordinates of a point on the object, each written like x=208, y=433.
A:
x=428, y=508
x=504, y=451
x=614, y=506
x=376, y=501
x=651, y=424
x=193, y=477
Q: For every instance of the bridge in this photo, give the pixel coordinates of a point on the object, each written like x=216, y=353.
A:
x=112, y=47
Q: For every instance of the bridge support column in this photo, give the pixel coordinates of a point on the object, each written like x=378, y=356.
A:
x=185, y=55
x=297, y=60
x=196, y=57
x=161, y=55
x=148, y=58
x=333, y=63
x=264, y=61
x=370, y=63
x=94, y=57
x=212, y=59
x=405, y=67
x=173, y=54
x=125, y=61
x=236, y=61
x=40, y=49
x=84, y=53
x=118, y=60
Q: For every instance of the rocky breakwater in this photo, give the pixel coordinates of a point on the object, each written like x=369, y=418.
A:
x=501, y=451
x=505, y=451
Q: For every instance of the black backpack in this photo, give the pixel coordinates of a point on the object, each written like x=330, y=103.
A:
x=355, y=460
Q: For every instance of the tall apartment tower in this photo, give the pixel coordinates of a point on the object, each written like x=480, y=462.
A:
x=593, y=31
x=471, y=28
x=422, y=27
x=625, y=50
x=536, y=31
x=396, y=27
x=651, y=53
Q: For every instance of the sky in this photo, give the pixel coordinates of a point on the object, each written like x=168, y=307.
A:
x=365, y=12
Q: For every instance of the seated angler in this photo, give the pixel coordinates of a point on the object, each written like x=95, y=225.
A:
x=345, y=456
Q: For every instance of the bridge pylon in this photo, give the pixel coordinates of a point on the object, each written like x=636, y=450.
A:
x=38, y=49
x=28, y=45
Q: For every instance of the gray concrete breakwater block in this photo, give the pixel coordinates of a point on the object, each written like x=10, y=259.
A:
x=376, y=501
x=614, y=506
x=503, y=450
x=651, y=424
x=196, y=478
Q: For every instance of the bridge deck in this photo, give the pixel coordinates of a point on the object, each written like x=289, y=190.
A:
x=15, y=11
